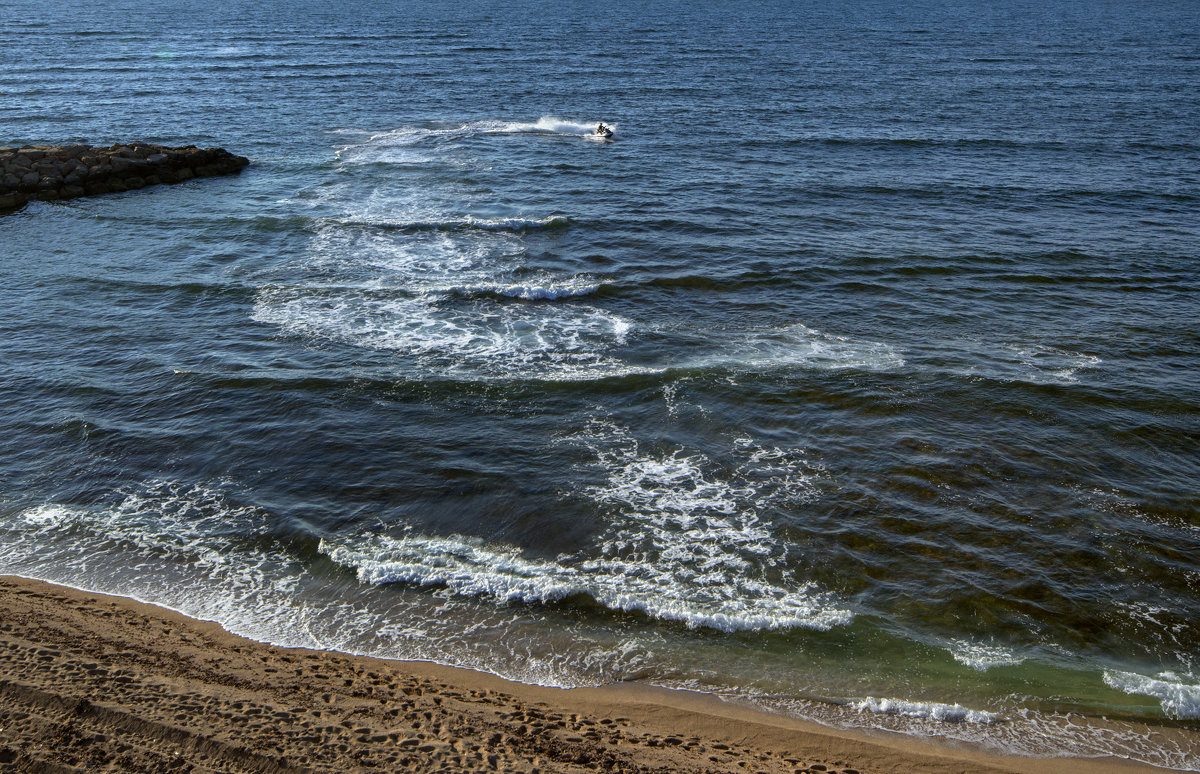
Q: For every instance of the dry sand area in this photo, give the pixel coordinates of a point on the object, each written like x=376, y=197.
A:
x=96, y=683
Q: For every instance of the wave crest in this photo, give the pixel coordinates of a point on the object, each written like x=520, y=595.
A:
x=470, y=567
x=680, y=543
x=1179, y=700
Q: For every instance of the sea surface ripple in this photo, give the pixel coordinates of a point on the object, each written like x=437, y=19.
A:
x=855, y=377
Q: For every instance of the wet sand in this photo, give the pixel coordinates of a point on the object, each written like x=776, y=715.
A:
x=90, y=682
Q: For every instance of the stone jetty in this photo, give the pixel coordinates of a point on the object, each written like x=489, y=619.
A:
x=47, y=172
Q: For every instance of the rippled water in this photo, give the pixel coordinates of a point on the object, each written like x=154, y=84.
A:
x=854, y=377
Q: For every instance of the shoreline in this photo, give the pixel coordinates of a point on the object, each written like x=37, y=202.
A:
x=92, y=680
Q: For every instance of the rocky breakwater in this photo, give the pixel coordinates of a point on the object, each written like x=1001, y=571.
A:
x=48, y=172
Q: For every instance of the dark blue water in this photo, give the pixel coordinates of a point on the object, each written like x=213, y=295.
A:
x=856, y=376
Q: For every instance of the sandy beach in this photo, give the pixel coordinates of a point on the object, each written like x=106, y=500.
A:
x=90, y=682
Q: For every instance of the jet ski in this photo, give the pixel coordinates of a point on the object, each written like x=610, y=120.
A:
x=602, y=131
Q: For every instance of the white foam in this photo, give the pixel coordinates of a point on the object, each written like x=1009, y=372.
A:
x=470, y=567
x=548, y=290
x=485, y=338
x=460, y=223
x=47, y=516
x=394, y=145
x=982, y=657
x=420, y=287
x=689, y=543
x=680, y=544
x=945, y=713
x=516, y=224
x=798, y=344
x=1034, y=363
x=411, y=261
x=539, y=289
x=190, y=549
x=402, y=269
x=384, y=146
x=559, y=126
x=166, y=543
x=463, y=565
x=435, y=288
x=1179, y=699
x=1053, y=364
x=1014, y=731
x=161, y=519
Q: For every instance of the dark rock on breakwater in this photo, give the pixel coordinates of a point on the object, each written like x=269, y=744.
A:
x=48, y=172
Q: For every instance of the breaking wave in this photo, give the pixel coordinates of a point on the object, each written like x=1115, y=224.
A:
x=680, y=544
x=470, y=567
x=191, y=549
x=185, y=547
x=981, y=657
x=1179, y=699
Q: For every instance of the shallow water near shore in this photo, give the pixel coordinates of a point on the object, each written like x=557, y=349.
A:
x=855, y=377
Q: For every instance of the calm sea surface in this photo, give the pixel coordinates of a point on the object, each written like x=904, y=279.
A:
x=858, y=376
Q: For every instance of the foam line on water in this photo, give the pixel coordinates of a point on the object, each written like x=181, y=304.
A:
x=471, y=567
x=677, y=524
x=1179, y=699
x=347, y=300
x=680, y=544
x=461, y=223
x=378, y=146
x=1032, y=362
x=451, y=278
x=799, y=344
x=191, y=549
x=932, y=710
x=169, y=544
x=690, y=535
x=487, y=338
x=548, y=290
x=1008, y=731
x=981, y=656
x=430, y=257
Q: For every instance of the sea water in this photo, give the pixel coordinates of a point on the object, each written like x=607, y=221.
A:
x=855, y=377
